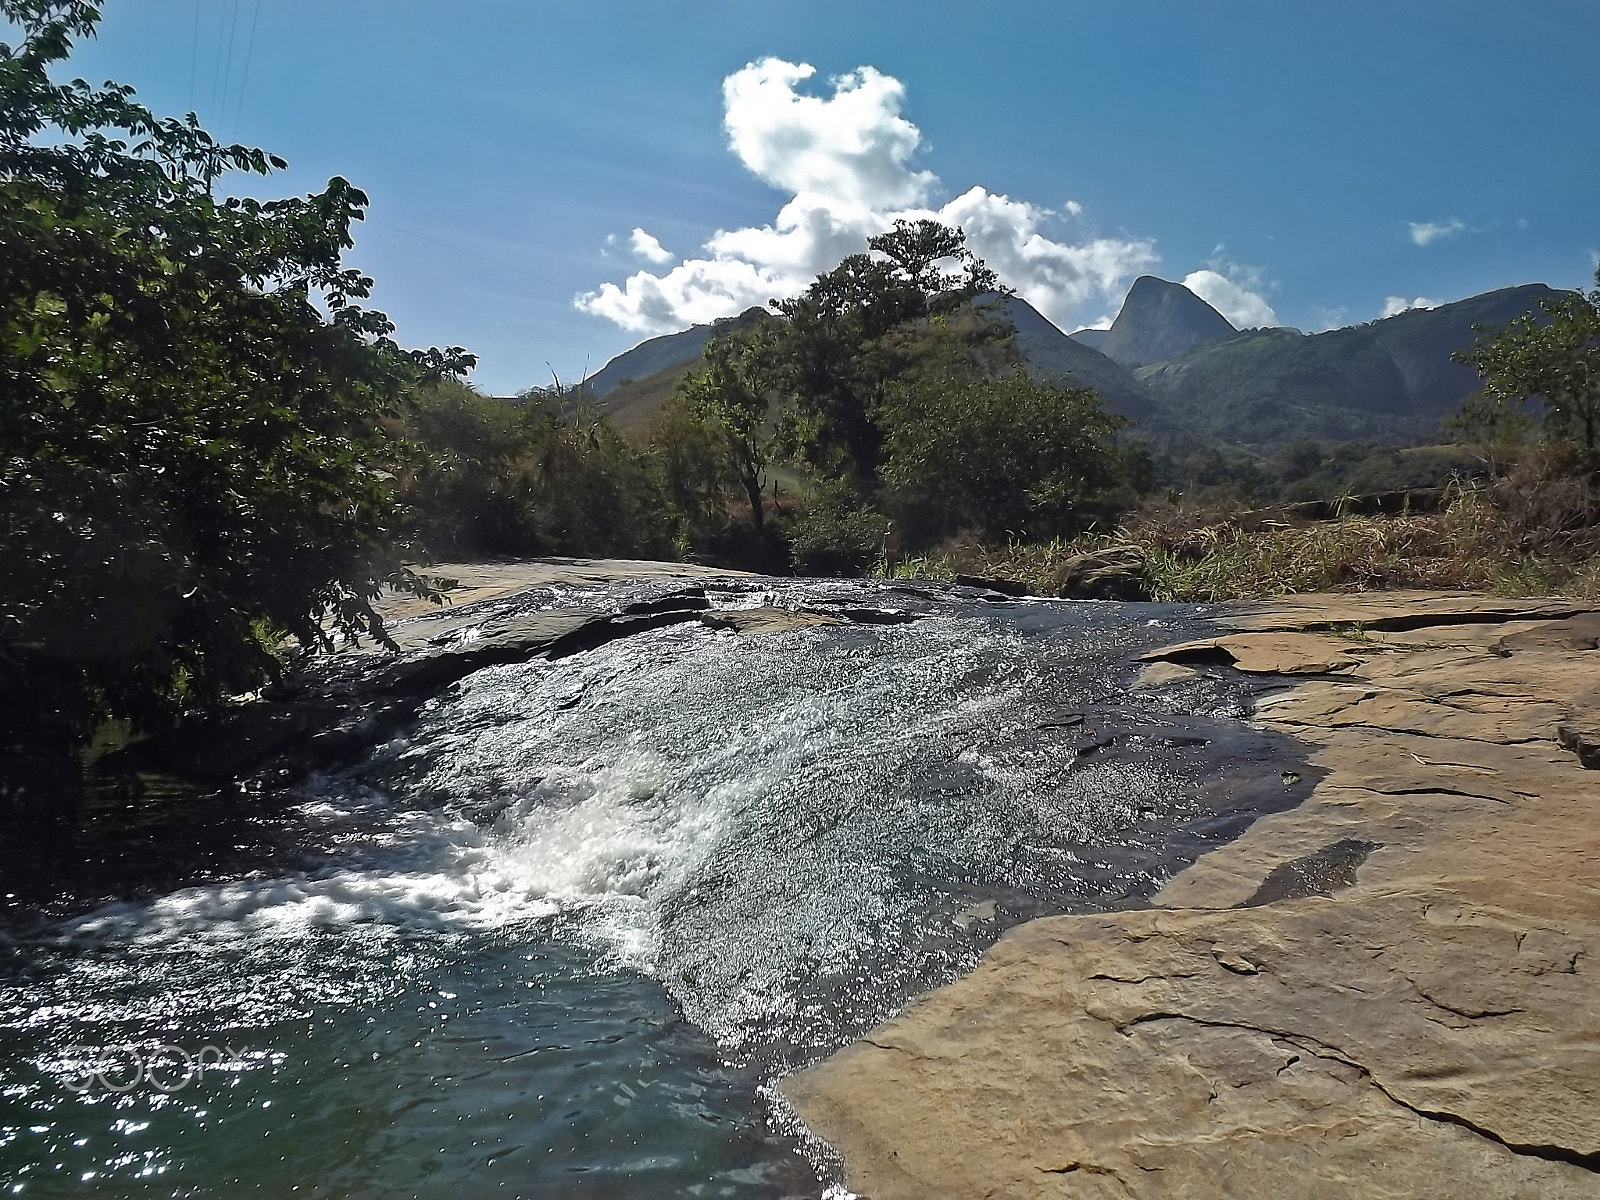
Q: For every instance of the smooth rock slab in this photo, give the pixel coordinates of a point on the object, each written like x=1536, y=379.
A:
x=1266, y=653
x=1430, y=1027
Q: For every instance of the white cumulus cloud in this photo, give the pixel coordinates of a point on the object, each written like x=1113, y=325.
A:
x=844, y=159
x=1395, y=305
x=647, y=247
x=852, y=146
x=1245, y=308
x=1424, y=232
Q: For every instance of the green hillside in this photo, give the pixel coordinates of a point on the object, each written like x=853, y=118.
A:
x=632, y=405
x=1386, y=381
x=1053, y=355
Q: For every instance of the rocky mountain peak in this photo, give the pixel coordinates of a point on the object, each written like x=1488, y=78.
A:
x=1160, y=321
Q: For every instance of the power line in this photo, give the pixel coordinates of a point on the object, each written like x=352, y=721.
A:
x=227, y=71
x=249, y=50
x=194, y=54
x=216, y=58
x=481, y=258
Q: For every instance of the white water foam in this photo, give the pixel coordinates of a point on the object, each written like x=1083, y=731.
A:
x=593, y=786
x=601, y=839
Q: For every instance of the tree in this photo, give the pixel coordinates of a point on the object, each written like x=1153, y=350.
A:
x=535, y=477
x=1012, y=454
x=1553, y=356
x=192, y=461
x=697, y=475
x=838, y=349
x=730, y=392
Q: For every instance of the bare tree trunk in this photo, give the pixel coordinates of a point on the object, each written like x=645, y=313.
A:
x=752, y=489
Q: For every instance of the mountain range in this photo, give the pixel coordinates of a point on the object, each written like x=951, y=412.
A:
x=1174, y=366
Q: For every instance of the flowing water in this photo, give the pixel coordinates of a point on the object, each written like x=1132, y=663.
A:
x=561, y=936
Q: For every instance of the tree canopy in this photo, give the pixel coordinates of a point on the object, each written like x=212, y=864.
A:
x=731, y=392
x=192, y=461
x=844, y=339
x=899, y=388
x=1007, y=455
x=1552, y=356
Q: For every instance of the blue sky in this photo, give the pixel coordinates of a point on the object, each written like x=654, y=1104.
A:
x=1303, y=164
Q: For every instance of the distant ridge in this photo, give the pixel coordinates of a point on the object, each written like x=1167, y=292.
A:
x=658, y=353
x=1160, y=321
x=1052, y=354
x=1388, y=380
x=631, y=400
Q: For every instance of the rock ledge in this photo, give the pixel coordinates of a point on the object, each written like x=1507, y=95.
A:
x=1388, y=991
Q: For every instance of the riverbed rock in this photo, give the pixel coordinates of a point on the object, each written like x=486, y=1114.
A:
x=1113, y=574
x=338, y=706
x=1266, y=653
x=767, y=619
x=478, y=581
x=1158, y=674
x=1581, y=632
x=1387, y=991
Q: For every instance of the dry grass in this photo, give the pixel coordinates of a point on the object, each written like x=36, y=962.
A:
x=1535, y=532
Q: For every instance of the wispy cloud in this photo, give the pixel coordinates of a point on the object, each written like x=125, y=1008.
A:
x=844, y=159
x=645, y=246
x=1424, y=233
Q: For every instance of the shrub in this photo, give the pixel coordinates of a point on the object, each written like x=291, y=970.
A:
x=833, y=534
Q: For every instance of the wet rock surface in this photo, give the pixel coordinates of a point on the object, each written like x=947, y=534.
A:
x=209, y=799
x=331, y=710
x=1386, y=991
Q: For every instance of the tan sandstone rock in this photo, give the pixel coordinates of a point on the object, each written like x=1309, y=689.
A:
x=1267, y=653
x=753, y=622
x=1404, y=1004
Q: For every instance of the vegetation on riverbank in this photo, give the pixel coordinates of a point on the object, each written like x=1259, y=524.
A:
x=212, y=450
x=1176, y=557
x=888, y=391
x=1524, y=522
x=193, y=462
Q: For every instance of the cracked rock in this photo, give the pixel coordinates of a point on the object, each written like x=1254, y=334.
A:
x=1402, y=1005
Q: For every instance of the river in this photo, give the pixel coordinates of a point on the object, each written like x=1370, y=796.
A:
x=560, y=935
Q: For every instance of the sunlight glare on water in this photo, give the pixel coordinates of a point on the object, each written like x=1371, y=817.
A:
x=561, y=935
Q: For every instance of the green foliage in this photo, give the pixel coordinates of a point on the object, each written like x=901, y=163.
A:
x=1010, y=454
x=1553, y=357
x=529, y=479
x=594, y=491
x=698, y=476
x=834, y=533
x=192, y=452
x=464, y=493
x=730, y=393
x=841, y=342
x=1353, y=631
x=1207, y=476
